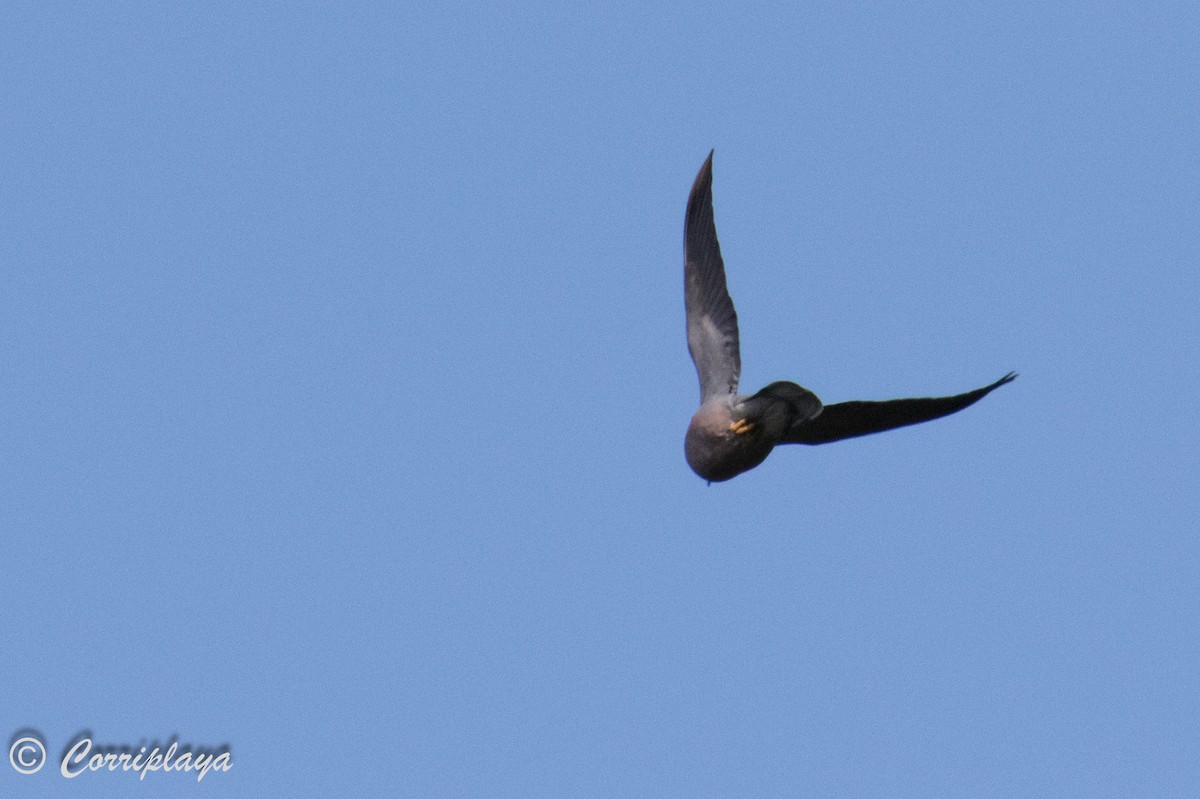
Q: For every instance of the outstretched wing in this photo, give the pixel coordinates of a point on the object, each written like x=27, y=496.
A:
x=851, y=419
x=711, y=321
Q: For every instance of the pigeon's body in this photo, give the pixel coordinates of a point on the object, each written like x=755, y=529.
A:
x=735, y=432
x=732, y=433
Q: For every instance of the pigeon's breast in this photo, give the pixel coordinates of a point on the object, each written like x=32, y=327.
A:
x=714, y=451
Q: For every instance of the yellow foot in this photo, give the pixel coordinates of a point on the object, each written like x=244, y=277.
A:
x=741, y=427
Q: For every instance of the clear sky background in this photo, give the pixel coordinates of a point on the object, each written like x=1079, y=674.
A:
x=344, y=385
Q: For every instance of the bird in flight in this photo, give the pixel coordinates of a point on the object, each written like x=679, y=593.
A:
x=732, y=433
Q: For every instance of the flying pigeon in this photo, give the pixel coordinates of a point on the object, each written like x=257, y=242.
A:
x=732, y=433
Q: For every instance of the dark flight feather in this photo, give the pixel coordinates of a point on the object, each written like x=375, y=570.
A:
x=853, y=419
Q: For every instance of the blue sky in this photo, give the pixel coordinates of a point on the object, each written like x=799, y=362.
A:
x=345, y=387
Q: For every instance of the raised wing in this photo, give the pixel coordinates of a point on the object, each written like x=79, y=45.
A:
x=711, y=321
x=851, y=419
